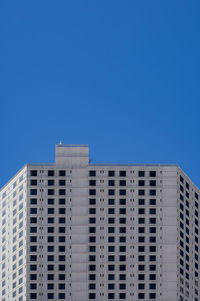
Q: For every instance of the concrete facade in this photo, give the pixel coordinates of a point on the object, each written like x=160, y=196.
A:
x=77, y=231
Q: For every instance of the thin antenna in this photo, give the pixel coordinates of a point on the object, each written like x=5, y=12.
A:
x=60, y=143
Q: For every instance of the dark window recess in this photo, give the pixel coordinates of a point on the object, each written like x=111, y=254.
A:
x=122, y=201
x=152, y=202
x=33, y=191
x=33, y=173
x=62, y=173
x=92, y=201
x=141, y=202
x=141, y=192
x=62, y=201
x=122, y=173
x=92, y=173
x=141, y=183
x=152, y=183
x=92, y=182
x=111, y=183
x=50, y=191
x=152, y=192
x=33, y=182
x=92, y=211
x=111, y=202
x=33, y=201
x=92, y=192
x=62, y=182
x=122, y=183
x=50, y=201
x=111, y=192
x=152, y=173
x=141, y=173
x=111, y=173
x=62, y=191
x=122, y=192
x=50, y=182
x=50, y=173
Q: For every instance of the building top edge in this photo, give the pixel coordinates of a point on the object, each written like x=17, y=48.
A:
x=72, y=145
x=107, y=164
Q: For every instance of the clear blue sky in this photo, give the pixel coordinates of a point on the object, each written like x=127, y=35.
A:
x=121, y=76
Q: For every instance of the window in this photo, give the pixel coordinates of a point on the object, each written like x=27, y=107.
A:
x=62, y=201
x=122, y=183
x=33, y=210
x=111, y=183
x=111, y=220
x=141, y=192
x=152, y=230
x=152, y=202
x=50, y=182
x=50, y=211
x=152, y=211
x=33, y=296
x=62, y=173
x=152, y=296
x=141, y=277
x=141, y=183
x=152, y=183
x=50, y=229
x=62, y=182
x=33, y=201
x=50, y=220
x=122, y=173
x=122, y=211
x=141, y=173
x=141, y=296
x=92, y=192
x=50, y=191
x=61, y=210
x=50, y=201
x=141, y=220
x=141, y=211
x=92, y=173
x=111, y=201
x=33, y=220
x=152, y=192
x=33, y=229
x=33, y=173
x=61, y=238
x=111, y=173
x=33, y=182
x=92, y=182
x=92, y=296
x=50, y=286
x=111, y=192
x=62, y=191
x=152, y=173
x=92, y=201
x=122, y=192
x=122, y=201
x=50, y=173
x=141, y=202
x=33, y=191
x=152, y=220
x=61, y=286
x=61, y=296
x=33, y=248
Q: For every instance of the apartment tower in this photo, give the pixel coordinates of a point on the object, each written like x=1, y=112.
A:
x=77, y=231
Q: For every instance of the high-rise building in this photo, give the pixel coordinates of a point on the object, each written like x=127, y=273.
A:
x=77, y=231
